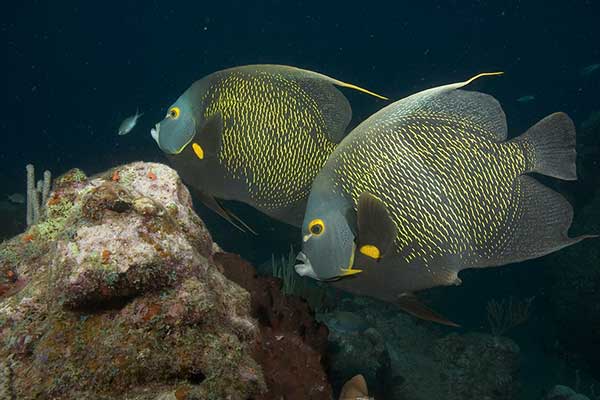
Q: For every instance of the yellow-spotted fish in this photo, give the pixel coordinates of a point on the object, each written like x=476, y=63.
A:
x=429, y=186
x=257, y=134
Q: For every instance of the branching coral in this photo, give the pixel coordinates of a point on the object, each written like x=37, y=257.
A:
x=505, y=314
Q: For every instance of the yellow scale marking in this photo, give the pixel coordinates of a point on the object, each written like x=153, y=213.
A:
x=435, y=156
x=279, y=161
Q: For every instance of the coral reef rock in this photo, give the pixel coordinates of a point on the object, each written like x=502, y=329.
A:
x=291, y=342
x=402, y=358
x=560, y=392
x=115, y=294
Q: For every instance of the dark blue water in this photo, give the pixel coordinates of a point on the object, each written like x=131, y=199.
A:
x=72, y=70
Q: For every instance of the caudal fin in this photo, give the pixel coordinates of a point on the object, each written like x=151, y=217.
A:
x=550, y=147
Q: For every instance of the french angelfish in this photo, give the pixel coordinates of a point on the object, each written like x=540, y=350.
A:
x=257, y=134
x=429, y=186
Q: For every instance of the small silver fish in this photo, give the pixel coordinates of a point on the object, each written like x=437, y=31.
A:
x=129, y=123
x=16, y=198
x=526, y=99
x=588, y=70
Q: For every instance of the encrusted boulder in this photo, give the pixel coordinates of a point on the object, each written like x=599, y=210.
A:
x=407, y=359
x=478, y=366
x=116, y=294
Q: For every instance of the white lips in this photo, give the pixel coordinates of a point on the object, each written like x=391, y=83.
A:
x=154, y=132
x=304, y=269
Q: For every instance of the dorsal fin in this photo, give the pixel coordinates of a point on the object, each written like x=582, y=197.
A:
x=334, y=106
x=480, y=110
x=312, y=74
x=357, y=88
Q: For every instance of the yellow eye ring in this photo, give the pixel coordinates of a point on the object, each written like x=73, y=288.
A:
x=174, y=112
x=316, y=227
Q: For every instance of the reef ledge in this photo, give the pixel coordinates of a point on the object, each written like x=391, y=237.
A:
x=119, y=292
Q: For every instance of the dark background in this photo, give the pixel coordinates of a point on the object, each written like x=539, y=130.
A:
x=72, y=70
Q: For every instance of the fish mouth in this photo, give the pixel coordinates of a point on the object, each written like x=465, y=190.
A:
x=154, y=132
x=304, y=268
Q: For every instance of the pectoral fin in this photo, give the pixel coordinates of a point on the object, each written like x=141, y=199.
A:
x=214, y=205
x=207, y=142
x=375, y=228
x=411, y=304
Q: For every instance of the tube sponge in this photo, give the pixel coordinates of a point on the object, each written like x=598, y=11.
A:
x=37, y=195
x=46, y=187
x=36, y=202
x=30, y=190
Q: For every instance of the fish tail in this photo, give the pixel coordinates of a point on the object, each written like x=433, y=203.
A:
x=541, y=226
x=549, y=147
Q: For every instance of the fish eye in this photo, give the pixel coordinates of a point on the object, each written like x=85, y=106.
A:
x=174, y=112
x=316, y=227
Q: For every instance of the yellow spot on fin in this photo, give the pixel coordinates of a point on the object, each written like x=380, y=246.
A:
x=370, y=251
x=376, y=229
x=198, y=150
x=351, y=86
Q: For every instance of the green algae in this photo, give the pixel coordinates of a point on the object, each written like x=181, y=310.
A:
x=8, y=254
x=74, y=175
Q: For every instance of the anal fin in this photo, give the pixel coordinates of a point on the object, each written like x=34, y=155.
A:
x=230, y=217
x=240, y=221
x=412, y=305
